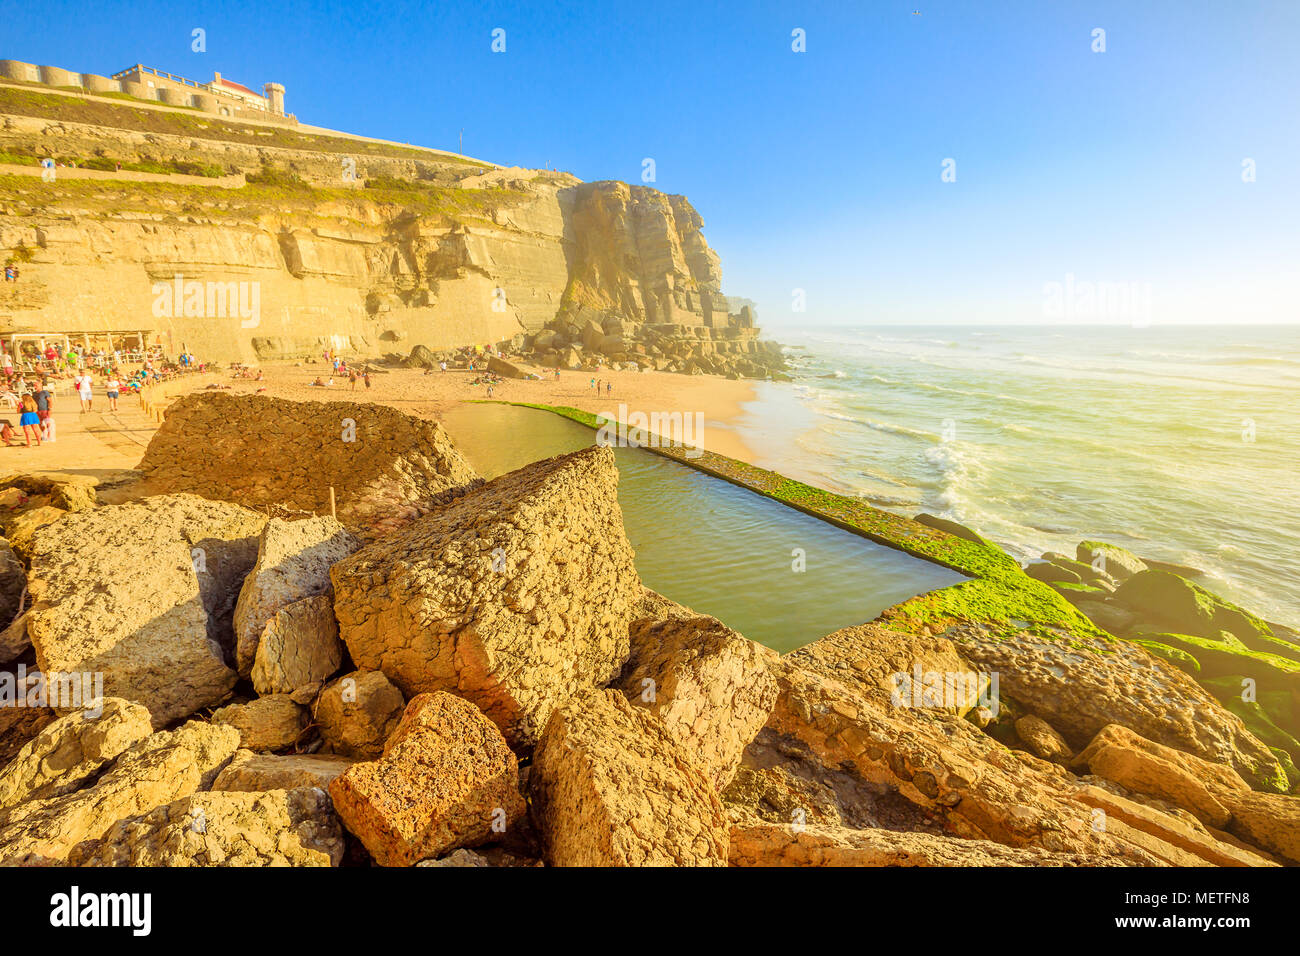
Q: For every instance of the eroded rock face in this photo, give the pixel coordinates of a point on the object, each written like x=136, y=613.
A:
x=516, y=596
x=708, y=685
x=357, y=713
x=153, y=772
x=143, y=593
x=1144, y=766
x=272, y=828
x=1042, y=739
x=446, y=779
x=266, y=723
x=252, y=772
x=13, y=582
x=1269, y=820
x=293, y=563
x=1083, y=685
x=14, y=640
x=69, y=751
x=269, y=452
x=611, y=787
x=774, y=844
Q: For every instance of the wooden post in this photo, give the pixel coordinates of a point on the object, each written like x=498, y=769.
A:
x=333, y=511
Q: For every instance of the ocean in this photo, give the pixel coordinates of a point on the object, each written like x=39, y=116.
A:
x=1181, y=443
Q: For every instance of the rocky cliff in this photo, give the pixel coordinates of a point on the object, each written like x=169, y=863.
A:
x=285, y=242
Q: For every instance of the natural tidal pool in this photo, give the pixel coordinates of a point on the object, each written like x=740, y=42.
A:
x=715, y=547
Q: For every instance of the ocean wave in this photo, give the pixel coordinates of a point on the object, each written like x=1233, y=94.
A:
x=902, y=430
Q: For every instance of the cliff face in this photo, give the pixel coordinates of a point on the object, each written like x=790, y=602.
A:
x=289, y=252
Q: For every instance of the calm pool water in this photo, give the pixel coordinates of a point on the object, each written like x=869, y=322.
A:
x=715, y=547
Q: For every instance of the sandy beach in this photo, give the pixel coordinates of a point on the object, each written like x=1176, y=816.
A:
x=101, y=441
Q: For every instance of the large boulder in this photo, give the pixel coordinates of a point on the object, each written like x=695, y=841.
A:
x=1119, y=563
x=377, y=460
x=709, y=686
x=273, y=828
x=13, y=585
x=516, y=596
x=14, y=640
x=612, y=787
x=446, y=779
x=265, y=723
x=299, y=646
x=357, y=713
x=69, y=751
x=1167, y=602
x=505, y=369
x=143, y=594
x=293, y=563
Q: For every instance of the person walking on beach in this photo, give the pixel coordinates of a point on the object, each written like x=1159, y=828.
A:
x=113, y=387
x=352, y=379
x=83, y=384
x=44, y=406
x=365, y=377
x=30, y=421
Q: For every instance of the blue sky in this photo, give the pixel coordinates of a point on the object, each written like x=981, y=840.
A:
x=821, y=170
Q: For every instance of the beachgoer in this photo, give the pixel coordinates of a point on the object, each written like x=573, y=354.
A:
x=352, y=380
x=114, y=387
x=609, y=387
x=366, y=378
x=30, y=421
x=44, y=405
x=7, y=432
x=83, y=383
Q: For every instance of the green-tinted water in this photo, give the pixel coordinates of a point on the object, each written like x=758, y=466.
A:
x=715, y=547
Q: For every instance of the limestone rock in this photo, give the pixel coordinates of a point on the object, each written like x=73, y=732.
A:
x=775, y=844
x=357, y=713
x=1164, y=601
x=21, y=529
x=155, y=771
x=272, y=828
x=19, y=723
x=269, y=452
x=293, y=563
x=72, y=749
x=709, y=686
x=1042, y=739
x=249, y=771
x=266, y=723
x=299, y=646
x=516, y=596
x=1082, y=685
x=1136, y=763
x=611, y=787
x=143, y=593
x=446, y=779
x=1269, y=820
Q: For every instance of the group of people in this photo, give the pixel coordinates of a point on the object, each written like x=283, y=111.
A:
x=11, y=273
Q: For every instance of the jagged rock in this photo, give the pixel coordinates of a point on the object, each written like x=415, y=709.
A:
x=273, y=828
x=422, y=357
x=446, y=779
x=1138, y=764
x=64, y=490
x=1042, y=739
x=1119, y=563
x=784, y=844
x=377, y=460
x=20, y=529
x=517, y=595
x=20, y=721
x=708, y=685
x=152, y=773
x=505, y=369
x=611, y=787
x=357, y=713
x=143, y=593
x=14, y=640
x=293, y=563
x=1081, y=685
x=248, y=771
x=266, y=723
x=71, y=750
x=299, y=646
x=460, y=858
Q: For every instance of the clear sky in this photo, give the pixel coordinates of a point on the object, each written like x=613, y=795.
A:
x=822, y=170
